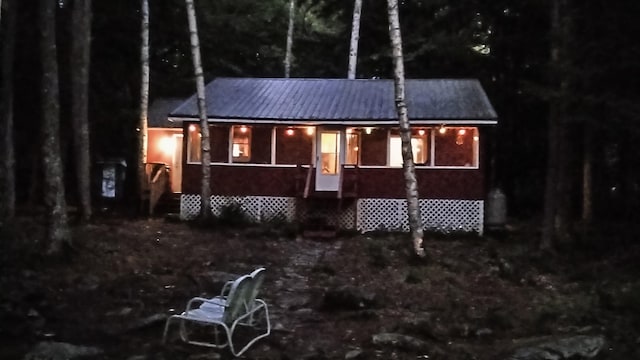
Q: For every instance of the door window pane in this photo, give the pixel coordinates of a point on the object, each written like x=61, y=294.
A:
x=329, y=152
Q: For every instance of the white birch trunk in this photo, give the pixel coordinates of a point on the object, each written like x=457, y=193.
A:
x=205, y=193
x=355, y=39
x=144, y=101
x=411, y=182
x=288, y=58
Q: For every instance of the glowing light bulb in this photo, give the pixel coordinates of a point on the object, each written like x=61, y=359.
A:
x=310, y=130
x=192, y=127
x=289, y=131
x=421, y=132
x=368, y=130
x=243, y=129
x=442, y=130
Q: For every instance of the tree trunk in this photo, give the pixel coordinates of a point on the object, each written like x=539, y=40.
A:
x=355, y=38
x=205, y=192
x=144, y=105
x=80, y=62
x=587, y=174
x=289, y=54
x=411, y=182
x=555, y=228
x=7, y=175
x=54, y=196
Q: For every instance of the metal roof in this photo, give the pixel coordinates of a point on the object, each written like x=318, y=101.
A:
x=327, y=101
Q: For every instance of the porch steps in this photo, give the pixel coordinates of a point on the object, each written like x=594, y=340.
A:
x=169, y=203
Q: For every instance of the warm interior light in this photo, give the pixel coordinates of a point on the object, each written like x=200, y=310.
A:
x=356, y=148
x=476, y=138
x=310, y=130
x=243, y=129
x=368, y=130
x=462, y=132
x=421, y=132
x=167, y=145
x=289, y=131
x=442, y=129
x=349, y=130
x=192, y=127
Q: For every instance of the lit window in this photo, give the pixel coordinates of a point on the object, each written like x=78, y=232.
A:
x=353, y=148
x=193, y=144
x=458, y=146
x=419, y=147
x=241, y=144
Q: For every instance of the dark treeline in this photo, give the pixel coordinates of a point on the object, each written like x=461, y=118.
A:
x=506, y=44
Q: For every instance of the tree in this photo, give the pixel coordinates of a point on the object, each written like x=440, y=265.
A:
x=54, y=195
x=144, y=100
x=289, y=55
x=557, y=191
x=80, y=62
x=205, y=192
x=411, y=182
x=355, y=38
x=7, y=175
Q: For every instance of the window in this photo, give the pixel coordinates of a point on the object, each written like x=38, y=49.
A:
x=193, y=144
x=456, y=146
x=353, y=147
x=330, y=152
x=419, y=147
x=241, y=143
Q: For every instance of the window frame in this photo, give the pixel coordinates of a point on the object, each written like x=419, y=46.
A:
x=190, y=134
x=239, y=159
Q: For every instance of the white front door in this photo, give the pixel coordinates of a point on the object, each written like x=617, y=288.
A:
x=176, y=166
x=329, y=159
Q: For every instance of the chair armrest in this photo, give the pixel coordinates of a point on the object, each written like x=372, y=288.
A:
x=200, y=300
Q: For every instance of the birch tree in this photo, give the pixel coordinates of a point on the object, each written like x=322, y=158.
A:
x=289, y=51
x=80, y=62
x=7, y=174
x=54, y=195
x=144, y=99
x=411, y=182
x=355, y=39
x=205, y=192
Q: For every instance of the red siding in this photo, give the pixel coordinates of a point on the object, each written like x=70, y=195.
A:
x=243, y=180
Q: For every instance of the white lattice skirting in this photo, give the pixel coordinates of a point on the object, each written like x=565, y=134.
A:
x=258, y=208
x=437, y=215
x=370, y=214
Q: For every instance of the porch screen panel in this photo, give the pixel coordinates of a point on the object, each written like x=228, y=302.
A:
x=261, y=144
x=456, y=146
x=219, y=136
x=294, y=146
x=374, y=148
x=193, y=143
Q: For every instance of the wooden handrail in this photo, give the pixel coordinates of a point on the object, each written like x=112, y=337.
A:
x=307, y=184
x=340, y=181
x=157, y=183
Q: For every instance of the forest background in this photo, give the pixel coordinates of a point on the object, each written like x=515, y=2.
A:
x=563, y=76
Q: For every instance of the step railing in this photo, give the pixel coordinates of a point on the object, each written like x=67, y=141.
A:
x=157, y=183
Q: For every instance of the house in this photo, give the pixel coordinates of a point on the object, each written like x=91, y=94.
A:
x=164, y=139
x=330, y=149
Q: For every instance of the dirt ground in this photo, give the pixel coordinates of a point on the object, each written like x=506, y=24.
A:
x=472, y=298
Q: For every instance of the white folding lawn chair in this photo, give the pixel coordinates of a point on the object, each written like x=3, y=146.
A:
x=238, y=308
